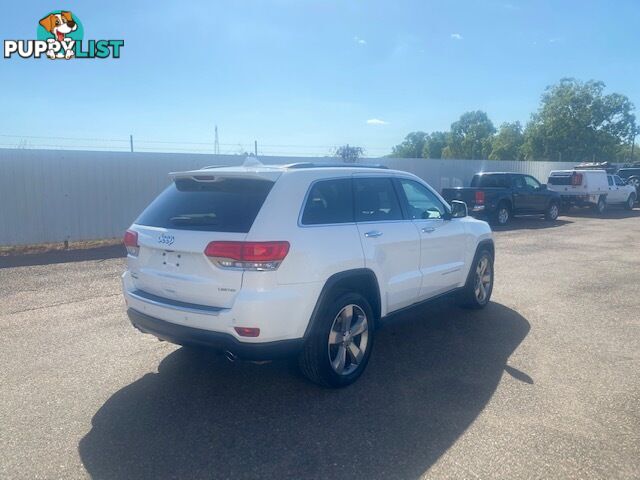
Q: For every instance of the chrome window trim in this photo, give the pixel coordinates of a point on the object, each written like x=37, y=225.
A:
x=383, y=174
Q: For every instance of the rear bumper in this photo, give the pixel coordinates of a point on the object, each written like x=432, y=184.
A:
x=184, y=335
x=580, y=200
x=280, y=313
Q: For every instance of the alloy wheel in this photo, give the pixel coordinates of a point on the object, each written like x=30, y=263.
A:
x=503, y=215
x=348, y=339
x=483, y=279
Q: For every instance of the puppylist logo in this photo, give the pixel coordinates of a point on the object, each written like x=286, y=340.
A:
x=60, y=36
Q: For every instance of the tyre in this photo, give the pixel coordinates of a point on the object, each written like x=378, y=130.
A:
x=477, y=291
x=601, y=206
x=337, y=354
x=552, y=212
x=635, y=181
x=631, y=201
x=502, y=214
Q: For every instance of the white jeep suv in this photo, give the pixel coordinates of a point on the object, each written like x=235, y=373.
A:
x=305, y=259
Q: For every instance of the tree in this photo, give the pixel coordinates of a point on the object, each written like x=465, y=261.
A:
x=577, y=122
x=411, y=147
x=507, y=143
x=470, y=136
x=435, y=143
x=349, y=154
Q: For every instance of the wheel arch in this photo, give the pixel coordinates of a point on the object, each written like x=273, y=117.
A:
x=486, y=243
x=359, y=280
x=508, y=201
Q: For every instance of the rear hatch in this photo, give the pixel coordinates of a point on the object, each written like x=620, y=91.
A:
x=568, y=181
x=174, y=231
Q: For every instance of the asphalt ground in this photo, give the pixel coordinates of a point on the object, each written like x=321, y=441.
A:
x=543, y=383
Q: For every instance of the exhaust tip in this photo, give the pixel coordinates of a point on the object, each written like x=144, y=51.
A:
x=232, y=357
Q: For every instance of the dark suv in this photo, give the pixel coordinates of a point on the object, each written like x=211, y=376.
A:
x=631, y=174
x=500, y=195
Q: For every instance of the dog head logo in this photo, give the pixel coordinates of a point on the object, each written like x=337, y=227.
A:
x=61, y=29
x=60, y=35
x=59, y=24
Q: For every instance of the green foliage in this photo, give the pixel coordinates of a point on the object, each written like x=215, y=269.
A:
x=411, y=147
x=507, y=143
x=576, y=121
x=434, y=145
x=348, y=153
x=471, y=136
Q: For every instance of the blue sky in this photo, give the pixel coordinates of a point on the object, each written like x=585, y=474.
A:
x=308, y=73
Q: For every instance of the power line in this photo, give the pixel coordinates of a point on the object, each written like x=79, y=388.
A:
x=175, y=142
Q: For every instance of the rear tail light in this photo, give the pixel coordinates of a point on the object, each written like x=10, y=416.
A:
x=131, y=242
x=247, y=331
x=479, y=197
x=576, y=179
x=247, y=255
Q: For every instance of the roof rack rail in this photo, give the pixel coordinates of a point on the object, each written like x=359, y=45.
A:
x=213, y=166
x=300, y=165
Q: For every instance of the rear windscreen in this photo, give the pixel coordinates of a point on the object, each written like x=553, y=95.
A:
x=223, y=205
x=490, y=181
x=560, y=179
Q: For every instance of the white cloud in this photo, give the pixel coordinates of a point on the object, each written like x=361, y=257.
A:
x=376, y=121
x=456, y=36
x=359, y=41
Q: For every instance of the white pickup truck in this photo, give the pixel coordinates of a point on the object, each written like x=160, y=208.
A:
x=595, y=188
x=580, y=188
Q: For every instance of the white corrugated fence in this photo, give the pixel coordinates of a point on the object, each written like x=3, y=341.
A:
x=55, y=195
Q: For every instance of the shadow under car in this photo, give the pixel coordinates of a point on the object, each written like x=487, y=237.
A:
x=200, y=416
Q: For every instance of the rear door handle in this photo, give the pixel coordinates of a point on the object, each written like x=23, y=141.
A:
x=428, y=229
x=373, y=234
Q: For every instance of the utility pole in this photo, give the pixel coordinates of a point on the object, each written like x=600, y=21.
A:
x=216, y=144
x=131, y=142
x=255, y=147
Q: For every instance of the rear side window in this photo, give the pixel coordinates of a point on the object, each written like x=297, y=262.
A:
x=490, y=181
x=222, y=205
x=329, y=201
x=610, y=180
x=376, y=200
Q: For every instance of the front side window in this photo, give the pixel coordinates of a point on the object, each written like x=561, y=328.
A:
x=376, y=200
x=531, y=182
x=619, y=181
x=422, y=203
x=329, y=202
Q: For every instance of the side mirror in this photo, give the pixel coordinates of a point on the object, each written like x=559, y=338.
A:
x=458, y=209
x=543, y=186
